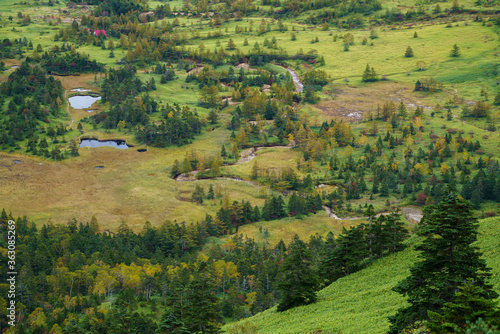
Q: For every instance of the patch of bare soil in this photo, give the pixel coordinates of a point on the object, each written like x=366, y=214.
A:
x=230, y=102
x=354, y=103
x=412, y=213
x=245, y=66
x=196, y=70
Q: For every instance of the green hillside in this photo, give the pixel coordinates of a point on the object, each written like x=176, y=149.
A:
x=361, y=302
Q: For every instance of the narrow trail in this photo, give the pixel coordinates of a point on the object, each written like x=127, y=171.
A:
x=251, y=153
x=412, y=214
x=247, y=156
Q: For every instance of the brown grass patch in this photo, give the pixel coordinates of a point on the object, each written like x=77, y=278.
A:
x=351, y=101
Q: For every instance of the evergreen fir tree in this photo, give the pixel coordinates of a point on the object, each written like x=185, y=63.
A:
x=395, y=231
x=455, y=51
x=448, y=259
x=200, y=313
x=375, y=186
x=469, y=305
x=384, y=190
x=210, y=194
x=278, y=207
x=409, y=52
x=170, y=324
x=299, y=283
x=366, y=74
x=176, y=168
x=256, y=214
x=255, y=171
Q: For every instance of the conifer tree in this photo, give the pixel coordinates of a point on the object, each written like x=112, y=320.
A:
x=369, y=75
x=186, y=166
x=278, y=207
x=170, y=324
x=469, y=305
x=350, y=251
x=448, y=258
x=409, y=52
x=200, y=313
x=395, y=231
x=176, y=168
x=375, y=186
x=223, y=152
x=198, y=194
x=384, y=190
x=255, y=171
x=210, y=194
x=300, y=282
x=455, y=51
x=213, y=116
x=256, y=214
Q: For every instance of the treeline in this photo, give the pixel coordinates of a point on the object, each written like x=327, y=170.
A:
x=77, y=279
x=68, y=63
x=336, y=8
x=33, y=99
x=208, y=77
x=233, y=215
x=178, y=127
x=121, y=88
x=15, y=48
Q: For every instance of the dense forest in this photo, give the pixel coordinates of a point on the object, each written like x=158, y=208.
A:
x=69, y=269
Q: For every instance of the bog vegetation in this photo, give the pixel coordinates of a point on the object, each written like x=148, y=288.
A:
x=254, y=116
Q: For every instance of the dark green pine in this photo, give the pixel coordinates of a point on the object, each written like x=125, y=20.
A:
x=300, y=283
x=448, y=258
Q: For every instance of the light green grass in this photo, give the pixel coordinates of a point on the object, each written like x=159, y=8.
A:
x=286, y=228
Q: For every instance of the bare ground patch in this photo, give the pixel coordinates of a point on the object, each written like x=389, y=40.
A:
x=354, y=103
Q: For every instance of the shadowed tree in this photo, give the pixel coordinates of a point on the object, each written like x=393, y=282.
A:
x=300, y=282
x=448, y=258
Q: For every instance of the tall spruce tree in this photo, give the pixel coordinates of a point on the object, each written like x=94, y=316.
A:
x=395, y=231
x=468, y=306
x=201, y=314
x=448, y=259
x=170, y=324
x=300, y=282
x=350, y=250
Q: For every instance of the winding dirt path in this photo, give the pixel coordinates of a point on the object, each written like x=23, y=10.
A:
x=251, y=153
x=412, y=214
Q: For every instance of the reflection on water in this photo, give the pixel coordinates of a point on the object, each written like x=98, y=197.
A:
x=82, y=101
x=120, y=144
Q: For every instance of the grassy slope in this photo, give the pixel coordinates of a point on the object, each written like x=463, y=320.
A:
x=361, y=302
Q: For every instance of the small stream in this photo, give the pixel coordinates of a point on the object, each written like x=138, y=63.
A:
x=244, y=158
x=298, y=85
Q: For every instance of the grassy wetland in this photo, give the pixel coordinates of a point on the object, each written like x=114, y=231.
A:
x=391, y=105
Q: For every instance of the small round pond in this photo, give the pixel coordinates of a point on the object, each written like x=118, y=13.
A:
x=89, y=142
x=82, y=101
